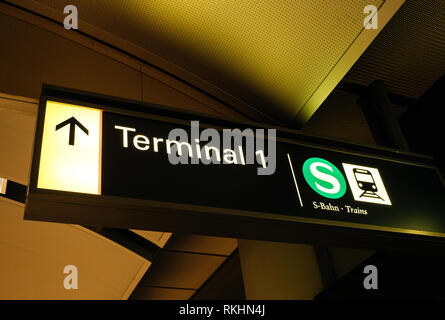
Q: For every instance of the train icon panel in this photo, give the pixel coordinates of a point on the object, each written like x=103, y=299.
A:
x=366, y=184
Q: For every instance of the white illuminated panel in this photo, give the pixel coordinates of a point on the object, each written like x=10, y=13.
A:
x=70, y=157
x=3, y=182
x=366, y=184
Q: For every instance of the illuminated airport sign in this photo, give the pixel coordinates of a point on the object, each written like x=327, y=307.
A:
x=99, y=161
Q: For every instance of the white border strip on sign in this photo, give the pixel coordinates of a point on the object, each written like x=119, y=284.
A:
x=295, y=180
x=3, y=182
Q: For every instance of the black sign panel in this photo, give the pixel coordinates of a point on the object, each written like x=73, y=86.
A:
x=132, y=173
x=321, y=191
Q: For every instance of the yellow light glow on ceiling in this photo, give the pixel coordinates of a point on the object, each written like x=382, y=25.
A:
x=282, y=57
x=283, y=48
x=71, y=163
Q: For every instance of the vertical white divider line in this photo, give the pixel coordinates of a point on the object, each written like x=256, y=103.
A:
x=295, y=180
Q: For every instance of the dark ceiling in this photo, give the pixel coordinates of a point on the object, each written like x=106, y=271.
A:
x=409, y=53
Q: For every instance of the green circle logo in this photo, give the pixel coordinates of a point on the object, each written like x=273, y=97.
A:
x=324, y=178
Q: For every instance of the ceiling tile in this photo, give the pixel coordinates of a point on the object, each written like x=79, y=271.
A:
x=154, y=293
x=202, y=244
x=409, y=53
x=181, y=270
x=34, y=254
x=272, y=54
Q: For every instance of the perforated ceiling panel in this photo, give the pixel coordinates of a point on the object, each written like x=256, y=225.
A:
x=409, y=54
x=278, y=51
